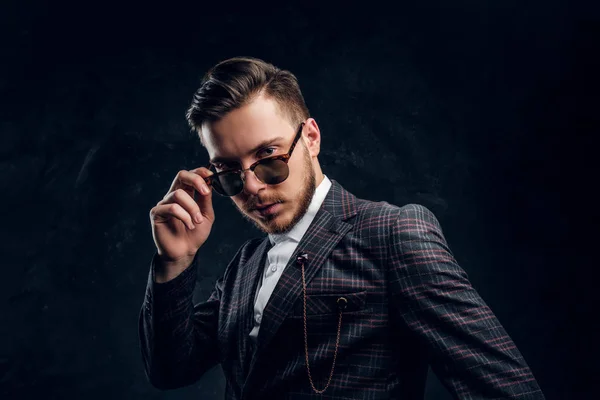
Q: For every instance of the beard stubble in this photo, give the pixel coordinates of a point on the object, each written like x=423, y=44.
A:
x=304, y=197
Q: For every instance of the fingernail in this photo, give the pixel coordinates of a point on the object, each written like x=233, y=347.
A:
x=192, y=226
x=198, y=218
x=205, y=190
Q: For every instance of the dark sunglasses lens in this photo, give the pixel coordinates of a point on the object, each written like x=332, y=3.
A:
x=272, y=172
x=228, y=184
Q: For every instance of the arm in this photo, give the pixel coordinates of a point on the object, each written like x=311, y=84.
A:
x=431, y=295
x=178, y=340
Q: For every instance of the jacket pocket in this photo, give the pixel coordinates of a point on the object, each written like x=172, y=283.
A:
x=330, y=303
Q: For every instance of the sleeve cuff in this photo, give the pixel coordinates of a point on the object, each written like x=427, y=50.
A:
x=174, y=296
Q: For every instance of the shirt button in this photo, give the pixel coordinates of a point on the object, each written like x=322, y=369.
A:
x=274, y=268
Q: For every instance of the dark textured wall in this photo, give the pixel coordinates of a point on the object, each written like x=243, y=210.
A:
x=482, y=111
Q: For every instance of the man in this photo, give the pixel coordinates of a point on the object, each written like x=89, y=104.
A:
x=344, y=298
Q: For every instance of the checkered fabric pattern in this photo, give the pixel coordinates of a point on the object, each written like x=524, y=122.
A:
x=410, y=305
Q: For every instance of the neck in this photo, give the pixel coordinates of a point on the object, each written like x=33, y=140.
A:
x=318, y=173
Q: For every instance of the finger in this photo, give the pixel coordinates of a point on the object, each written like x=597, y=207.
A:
x=183, y=198
x=172, y=210
x=204, y=200
x=188, y=181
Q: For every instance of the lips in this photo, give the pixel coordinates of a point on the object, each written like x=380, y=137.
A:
x=268, y=209
x=264, y=206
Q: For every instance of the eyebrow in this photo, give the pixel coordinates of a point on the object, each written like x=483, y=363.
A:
x=254, y=150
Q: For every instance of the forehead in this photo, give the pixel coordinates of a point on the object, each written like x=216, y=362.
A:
x=245, y=128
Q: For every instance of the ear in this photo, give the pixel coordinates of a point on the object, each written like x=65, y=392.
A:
x=311, y=136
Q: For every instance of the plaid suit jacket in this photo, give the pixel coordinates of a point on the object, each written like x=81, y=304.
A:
x=410, y=305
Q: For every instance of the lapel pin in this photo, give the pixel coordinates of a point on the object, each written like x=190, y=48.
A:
x=302, y=259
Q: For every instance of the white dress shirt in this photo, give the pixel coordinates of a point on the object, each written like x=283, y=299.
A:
x=278, y=256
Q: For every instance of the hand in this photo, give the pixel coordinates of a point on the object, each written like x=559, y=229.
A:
x=180, y=223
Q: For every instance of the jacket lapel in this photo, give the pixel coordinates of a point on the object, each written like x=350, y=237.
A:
x=323, y=234
x=248, y=284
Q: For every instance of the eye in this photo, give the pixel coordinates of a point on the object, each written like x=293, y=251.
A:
x=222, y=166
x=268, y=151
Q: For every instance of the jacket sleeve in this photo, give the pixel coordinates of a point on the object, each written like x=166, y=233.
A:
x=430, y=294
x=178, y=340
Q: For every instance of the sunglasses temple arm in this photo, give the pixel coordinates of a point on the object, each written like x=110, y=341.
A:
x=208, y=180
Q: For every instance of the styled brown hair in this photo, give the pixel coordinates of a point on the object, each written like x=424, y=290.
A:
x=237, y=81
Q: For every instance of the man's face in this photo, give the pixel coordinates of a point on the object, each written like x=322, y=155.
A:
x=236, y=140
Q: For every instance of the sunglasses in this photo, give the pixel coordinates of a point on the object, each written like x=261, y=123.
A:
x=269, y=170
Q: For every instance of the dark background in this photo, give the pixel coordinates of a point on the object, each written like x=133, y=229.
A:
x=485, y=112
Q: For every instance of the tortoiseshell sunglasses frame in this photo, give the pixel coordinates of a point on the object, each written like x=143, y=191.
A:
x=283, y=157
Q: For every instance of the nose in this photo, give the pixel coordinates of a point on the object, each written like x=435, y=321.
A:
x=251, y=183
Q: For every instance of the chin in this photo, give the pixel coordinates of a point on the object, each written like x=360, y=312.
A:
x=280, y=223
x=275, y=222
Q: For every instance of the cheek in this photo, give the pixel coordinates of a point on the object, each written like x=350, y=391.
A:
x=298, y=170
x=293, y=183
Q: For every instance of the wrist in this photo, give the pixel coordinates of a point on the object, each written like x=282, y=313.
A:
x=166, y=270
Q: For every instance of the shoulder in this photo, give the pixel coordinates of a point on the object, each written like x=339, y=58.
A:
x=386, y=224
x=391, y=214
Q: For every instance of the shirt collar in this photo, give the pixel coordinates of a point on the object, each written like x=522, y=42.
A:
x=301, y=226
